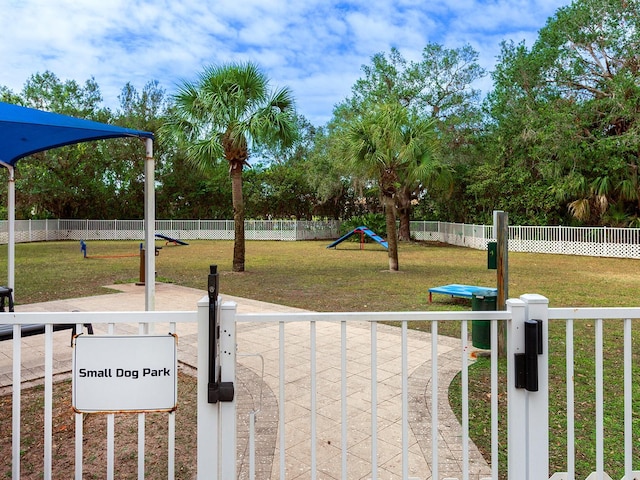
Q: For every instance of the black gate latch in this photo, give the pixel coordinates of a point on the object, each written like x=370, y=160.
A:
x=527, y=363
x=217, y=391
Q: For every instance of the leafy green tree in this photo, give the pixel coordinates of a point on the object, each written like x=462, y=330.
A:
x=65, y=182
x=567, y=110
x=281, y=187
x=183, y=192
x=141, y=110
x=89, y=180
x=280, y=191
x=339, y=192
x=221, y=116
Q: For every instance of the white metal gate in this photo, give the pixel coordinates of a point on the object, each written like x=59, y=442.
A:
x=357, y=398
x=337, y=377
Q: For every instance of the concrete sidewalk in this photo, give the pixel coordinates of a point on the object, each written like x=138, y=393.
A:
x=258, y=343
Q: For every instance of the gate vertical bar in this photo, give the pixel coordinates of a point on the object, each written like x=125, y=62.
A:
x=48, y=400
x=79, y=431
x=281, y=397
x=110, y=428
x=228, y=438
x=405, y=402
x=599, y=399
x=494, y=400
x=142, y=329
x=434, y=400
x=571, y=432
x=313, y=402
x=343, y=395
x=464, y=334
x=628, y=400
x=171, y=441
x=374, y=400
x=15, y=406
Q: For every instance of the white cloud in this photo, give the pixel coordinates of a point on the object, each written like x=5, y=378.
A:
x=317, y=47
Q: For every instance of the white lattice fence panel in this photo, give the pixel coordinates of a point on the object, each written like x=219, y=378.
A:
x=428, y=236
x=319, y=230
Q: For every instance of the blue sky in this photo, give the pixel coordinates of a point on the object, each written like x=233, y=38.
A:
x=315, y=47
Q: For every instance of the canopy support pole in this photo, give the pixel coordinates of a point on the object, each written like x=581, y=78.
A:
x=149, y=227
x=11, y=226
x=12, y=231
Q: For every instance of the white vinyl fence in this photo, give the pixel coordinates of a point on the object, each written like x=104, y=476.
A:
x=53, y=230
x=587, y=241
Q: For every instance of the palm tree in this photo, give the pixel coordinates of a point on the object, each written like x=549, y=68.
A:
x=390, y=145
x=221, y=116
x=426, y=174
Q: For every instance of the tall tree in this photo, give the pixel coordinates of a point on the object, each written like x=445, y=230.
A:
x=567, y=110
x=389, y=143
x=436, y=86
x=221, y=116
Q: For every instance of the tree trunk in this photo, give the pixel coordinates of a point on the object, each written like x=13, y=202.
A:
x=404, y=234
x=238, y=217
x=392, y=237
x=403, y=205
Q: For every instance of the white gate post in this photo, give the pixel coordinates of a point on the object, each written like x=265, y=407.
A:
x=538, y=414
x=228, y=438
x=208, y=413
x=528, y=411
x=516, y=397
x=216, y=421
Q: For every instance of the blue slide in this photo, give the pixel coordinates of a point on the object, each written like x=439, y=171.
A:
x=364, y=230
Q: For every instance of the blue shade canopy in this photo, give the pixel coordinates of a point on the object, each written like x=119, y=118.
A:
x=25, y=131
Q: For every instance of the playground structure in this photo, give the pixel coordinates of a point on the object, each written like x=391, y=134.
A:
x=169, y=240
x=84, y=248
x=362, y=230
x=457, y=290
x=141, y=254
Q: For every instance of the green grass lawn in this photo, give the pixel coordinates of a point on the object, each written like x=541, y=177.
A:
x=307, y=275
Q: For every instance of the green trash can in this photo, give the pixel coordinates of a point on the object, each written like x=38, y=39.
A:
x=482, y=300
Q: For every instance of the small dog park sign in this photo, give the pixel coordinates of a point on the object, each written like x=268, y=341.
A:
x=125, y=373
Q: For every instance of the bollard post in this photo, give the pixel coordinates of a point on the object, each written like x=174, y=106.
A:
x=142, y=267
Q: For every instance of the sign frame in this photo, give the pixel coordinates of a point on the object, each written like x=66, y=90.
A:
x=125, y=373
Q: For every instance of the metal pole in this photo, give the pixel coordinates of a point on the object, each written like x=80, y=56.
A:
x=149, y=227
x=12, y=230
x=501, y=231
x=502, y=237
